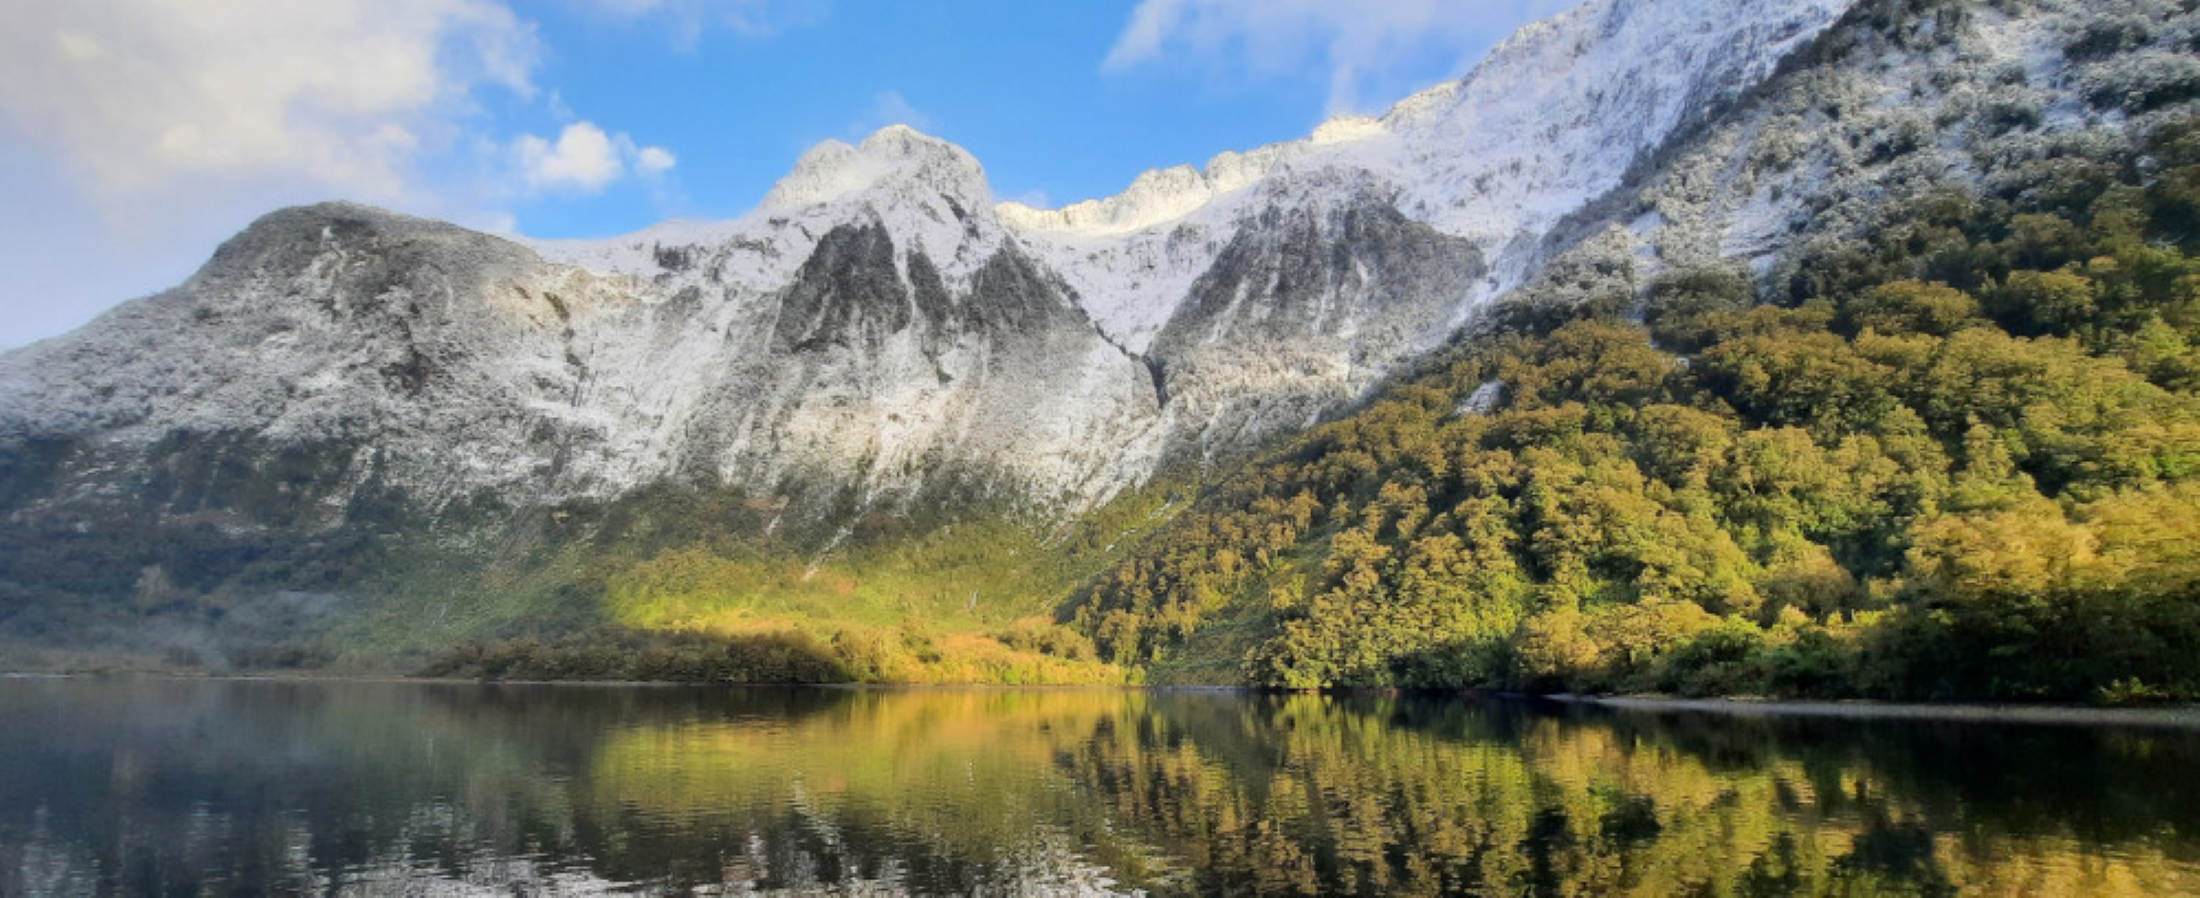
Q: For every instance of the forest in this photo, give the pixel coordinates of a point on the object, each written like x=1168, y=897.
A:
x=1945, y=446
x=1957, y=457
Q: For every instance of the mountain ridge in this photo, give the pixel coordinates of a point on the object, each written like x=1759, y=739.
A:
x=624, y=309
x=880, y=339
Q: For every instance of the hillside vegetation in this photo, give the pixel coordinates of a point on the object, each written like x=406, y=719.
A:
x=1956, y=458
x=1938, y=437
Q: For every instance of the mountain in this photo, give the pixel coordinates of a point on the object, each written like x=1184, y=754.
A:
x=881, y=339
x=880, y=317
x=1930, y=433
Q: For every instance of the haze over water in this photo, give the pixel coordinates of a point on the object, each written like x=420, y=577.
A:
x=184, y=787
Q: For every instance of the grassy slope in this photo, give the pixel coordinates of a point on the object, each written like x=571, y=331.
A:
x=970, y=601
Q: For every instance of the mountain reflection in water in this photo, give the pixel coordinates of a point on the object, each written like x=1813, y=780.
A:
x=169, y=786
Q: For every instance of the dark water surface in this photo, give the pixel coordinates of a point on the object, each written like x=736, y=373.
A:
x=223, y=787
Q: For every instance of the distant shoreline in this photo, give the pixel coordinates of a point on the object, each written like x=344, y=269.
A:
x=2180, y=716
x=2173, y=716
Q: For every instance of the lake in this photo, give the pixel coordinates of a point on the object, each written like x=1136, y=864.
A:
x=150, y=786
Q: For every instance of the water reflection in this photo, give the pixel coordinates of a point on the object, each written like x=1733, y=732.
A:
x=163, y=787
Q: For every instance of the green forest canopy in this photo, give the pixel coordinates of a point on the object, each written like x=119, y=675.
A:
x=1956, y=458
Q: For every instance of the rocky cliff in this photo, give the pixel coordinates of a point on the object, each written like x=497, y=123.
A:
x=882, y=334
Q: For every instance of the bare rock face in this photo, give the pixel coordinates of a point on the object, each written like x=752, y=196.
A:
x=880, y=327
x=1306, y=307
x=438, y=347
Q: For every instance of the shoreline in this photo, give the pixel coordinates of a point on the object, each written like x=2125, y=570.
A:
x=2171, y=716
x=2183, y=716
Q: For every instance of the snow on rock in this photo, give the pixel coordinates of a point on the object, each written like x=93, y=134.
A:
x=1553, y=119
x=897, y=157
x=880, y=319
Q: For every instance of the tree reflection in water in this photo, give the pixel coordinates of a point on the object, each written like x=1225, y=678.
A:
x=175, y=786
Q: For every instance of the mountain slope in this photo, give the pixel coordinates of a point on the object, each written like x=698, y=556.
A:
x=879, y=317
x=1952, y=451
x=880, y=340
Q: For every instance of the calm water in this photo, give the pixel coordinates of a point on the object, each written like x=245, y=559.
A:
x=180, y=787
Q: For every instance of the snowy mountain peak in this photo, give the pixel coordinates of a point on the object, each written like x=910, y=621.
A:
x=878, y=343
x=319, y=226
x=931, y=195
x=1348, y=128
x=1576, y=96
x=896, y=157
x=879, y=307
x=1156, y=197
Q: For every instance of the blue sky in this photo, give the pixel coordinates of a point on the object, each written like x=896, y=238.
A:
x=136, y=134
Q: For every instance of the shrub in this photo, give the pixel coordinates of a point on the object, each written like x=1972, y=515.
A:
x=2141, y=82
x=621, y=654
x=1049, y=639
x=2108, y=36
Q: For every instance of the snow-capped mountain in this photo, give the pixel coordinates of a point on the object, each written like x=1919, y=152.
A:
x=881, y=329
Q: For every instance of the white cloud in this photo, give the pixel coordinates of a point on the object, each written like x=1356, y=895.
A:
x=137, y=95
x=135, y=135
x=653, y=161
x=584, y=159
x=1354, y=43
